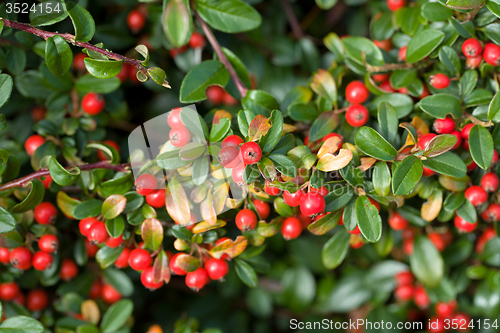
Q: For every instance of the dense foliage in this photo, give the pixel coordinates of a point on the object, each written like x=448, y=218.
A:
x=343, y=170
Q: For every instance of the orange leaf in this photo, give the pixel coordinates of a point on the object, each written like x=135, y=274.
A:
x=219, y=114
x=366, y=163
x=259, y=127
x=330, y=162
x=229, y=247
x=330, y=146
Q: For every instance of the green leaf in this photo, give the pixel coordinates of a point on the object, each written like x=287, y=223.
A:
x=338, y=198
x=303, y=112
x=34, y=197
x=323, y=125
x=246, y=273
x=58, y=55
x=407, y=175
x=402, y=103
x=464, y=4
x=115, y=226
x=283, y=164
x=113, y=206
x=269, y=141
x=107, y=150
x=88, y=83
x=335, y=250
x=422, y=44
x=88, y=208
x=6, y=84
x=402, y=78
x=467, y=211
x=119, y=280
x=449, y=58
x=82, y=22
x=426, y=262
x=381, y=179
x=116, y=316
x=440, y=105
x=260, y=102
x=219, y=131
x=62, y=176
x=21, y=324
x=493, y=108
x=491, y=252
x=361, y=48
x=245, y=117
x=106, y=256
x=103, y=69
x=43, y=17
x=468, y=82
x=494, y=7
x=231, y=16
x=481, y=146
x=324, y=85
x=324, y=224
x=478, y=97
x=369, y=220
x=373, y=144
x=435, y=11
x=447, y=164
x=177, y=22
x=7, y=221
x=388, y=121
x=198, y=79
x=159, y=76
x=440, y=145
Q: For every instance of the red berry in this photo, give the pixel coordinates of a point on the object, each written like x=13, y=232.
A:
x=215, y=94
x=425, y=139
x=386, y=86
x=93, y=103
x=229, y=156
x=375, y=203
x=472, y=48
x=492, y=213
x=179, y=136
x=114, y=242
x=437, y=240
x=147, y=279
x=9, y=291
x=104, y=156
x=321, y=190
x=20, y=258
x=4, y=255
x=491, y=54
x=356, y=115
x=421, y=298
x=462, y=320
x=396, y=221
x=445, y=310
x=246, y=220
x=32, y=143
x=174, y=118
x=78, y=62
x=250, y=153
x=466, y=131
x=444, y=126
x=291, y=228
x=312, y=204
x=234, y=140
x=395, y=4
x=227, y=99
x=471, y=166
x=98, y=233
x=404, y=292
x=458, y=135
x=45, y=213
x=381, y=77
x=145, y=184
x=91, y=249
x=356, y=92
x=262, y=208
x=38, y=113
x=42, y=260
x=37, y=300
x=69, y=270
x=216, y=268
x=197, y=40
x=404, y=278
x=136, y=20
x=122, y=261
x=490, y=182
x=173, y=266
x=156, y=198
x=237, y=173
x=46, y=181
x=476, y=195
x=472, y=63
x=124, y=72
x=486, y=236
x=198, y=279
x=355, y=231
x=293, y=199
x=109, y=294
x=408, y=246
x=425, y=92
x=271, y=190
x=402, y=54
x=385, y=44
x=139, y=259
x=464, y=226
x=495, y=158
x=95, y=289
x=436, y=325
x=85, y=224
x=439, y=81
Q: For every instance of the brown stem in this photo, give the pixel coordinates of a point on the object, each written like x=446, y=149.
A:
x=222, y=57
x=45, y=172
x=292, y=20
x=71, y=39
x=393, y=67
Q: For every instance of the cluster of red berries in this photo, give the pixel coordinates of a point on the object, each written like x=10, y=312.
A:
x=197, y=41
x=179, y=135
x=34, y=300
x=356, y=94
x=147, y=185
x=474, y=53
x=235, y=154
x=217, y=95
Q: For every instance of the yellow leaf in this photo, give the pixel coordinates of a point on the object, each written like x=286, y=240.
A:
x=330, y=146
x=177, y=202
x=330, y=162
x=431, y=208
x=90, y=311
x=229, y=247
x=219, y=114
x=204, y=226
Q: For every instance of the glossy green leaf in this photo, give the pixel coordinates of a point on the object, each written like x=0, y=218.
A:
x=103, y=69
x=119, y=280
x=402, y=78
x=260, y=102
x=373, y=144
x=440, y=105
x=113, y=206
x=152, y=233
x=231, y=16
x=199, y=78
x=42, y=17
x=326, y=4
x=323, y=125
x=335, y=249
x=116, y=316
x=494, y=109
x=464, y=4
x=324, y=85
x=62, y=176
x=82, y=22
x=283, y=164
x=115, y=227
x=435, y=11
x=106, y=256
x=422, y=44
x=426, y=262
x=447, y=164
x=271, y=138
x=7, y=221
x=6, y=84
x=246, y=273
x=245, y=117
x=58, y=55
x=481, y=146
x=440, y=145
x=369, y=220
x=21, y=324
x=177, y=22
x=449, y=58
x=467, y=211
x=361, y=49
x=325, y=224
x=381, y=179
x=388, y=121
x=88, y=208
x=88, y=83
x=34, y=197
x=402, y=103
x=407, y=175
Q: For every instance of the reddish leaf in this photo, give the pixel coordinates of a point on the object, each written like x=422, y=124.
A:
x=219, y=114
x=259, y=127
x=152, y=233
x=113, y=206
x=187, y=263
x=161, y=268
x=230, y=247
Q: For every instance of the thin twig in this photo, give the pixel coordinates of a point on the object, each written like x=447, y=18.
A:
x=222, y=57
x=292, y=20
x=45, y=172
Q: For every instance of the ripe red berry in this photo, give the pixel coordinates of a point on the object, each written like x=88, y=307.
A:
x=466, y=131
x=495, y=158
x=250, y=152
x=109, y=294
x=356, y=92
x=381, y=77
x=145, y=184
x=439, y=81
x=179, y=136
x=9, y=291
x=421, y=298
x=425, y=139
x=45, y=213
x=93, y=103
x=472, y=63
x=114, y=241
x=136, y=20
x=492, y=213
x=246, y=220
x=147, y=279
x=90, y=249
x=38, y=113
x=385, y=44
x=229, y=156
x=227, y=99
x=173, y=265
x=486, y=236
x=445, y=310
x=404, y=293
x=122, y=261
x=46, y=181
x=355, y=231
x=375, y=203
x=402, y=54
x=404, y=278
x=85, y=224
x=490, y=182
x=462, y=320
x=408, y=246
x=32, y=143
x=291, y=228
x=174, y=118
x=216, y=268
x=20, y=258
x=262, y=208
x=104, y=156
x=271, y=190
x=333, y=135
x=215, y=94
x=436, y=325
x=95, y=289
x=321, y=190
x=437, y=240
x=198, y=279
x=476, y=195
x=69, y=270
x=312, y=204
x=139, y=259
x=386, y=86
x=293, y=199
x=472, y=48
x=396, y=221
x=156, y=198
x=444, y=126
x=458, y=135
x=42, y=260
x=237, y=173
x=491, y=54
x=98, y=233
x=197, y=40
x=464, y=226
x=234, y=140
x=395, y=4
x=37, y=300
x=356, y=115
x=4, y=255
x=78, y=62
